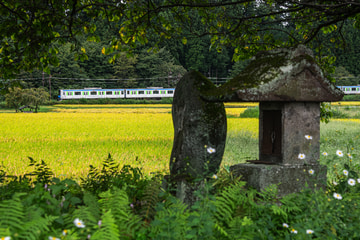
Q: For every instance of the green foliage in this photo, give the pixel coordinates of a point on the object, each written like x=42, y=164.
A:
x=110, y=175
x=24, y=222
x=42, y=171
x=252, y=112
x=38, y=35
x=226, y=209
x=32, y=97
x=150, y=199
x=325, y=112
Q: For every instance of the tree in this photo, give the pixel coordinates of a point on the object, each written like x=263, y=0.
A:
x=30, y=29
x=157, y=65
x=14, y=98
x=125, y=71
x=35, y=97
x=32, y=97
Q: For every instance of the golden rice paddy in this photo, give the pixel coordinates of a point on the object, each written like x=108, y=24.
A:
x=72, y=137
x=346, y=103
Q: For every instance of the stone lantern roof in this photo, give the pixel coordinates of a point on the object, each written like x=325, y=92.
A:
x=290, y=75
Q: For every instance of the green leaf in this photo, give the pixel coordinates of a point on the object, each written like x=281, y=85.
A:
x=184, y=40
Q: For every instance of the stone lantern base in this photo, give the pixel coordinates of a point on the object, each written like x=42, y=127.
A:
x=288, y=178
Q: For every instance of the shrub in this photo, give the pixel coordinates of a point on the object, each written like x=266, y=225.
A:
x=252, y=112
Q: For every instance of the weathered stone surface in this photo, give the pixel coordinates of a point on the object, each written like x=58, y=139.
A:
x=198, y=125
x=199, y=136
x=289, y=178
x=296, y=120
x=289, y=74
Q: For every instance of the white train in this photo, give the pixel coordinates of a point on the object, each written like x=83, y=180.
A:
x=141, y=93
x=350, y=89
x=135, y=93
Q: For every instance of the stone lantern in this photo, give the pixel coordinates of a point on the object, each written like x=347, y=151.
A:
x=289, y=86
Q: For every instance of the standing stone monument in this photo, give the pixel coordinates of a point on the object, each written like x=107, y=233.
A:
x=199, y=136
x=289, y=86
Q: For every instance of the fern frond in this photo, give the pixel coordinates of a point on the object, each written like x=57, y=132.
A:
x=84, y=213
x=12, y=213
x=241, y=228
x=5, y=232
x=170, y=221
x=150, y=199
x=221, y=230
x=227, y=202
x=108, y=228
x=92, y=204
x=35, y=224
x=118, y=203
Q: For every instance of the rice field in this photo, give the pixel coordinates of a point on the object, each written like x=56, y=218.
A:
x=69, y=138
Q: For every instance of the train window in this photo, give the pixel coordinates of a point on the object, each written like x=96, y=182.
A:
x=155, y=92
x=353, y=89
x=170, y=92
x=141, y=92
x=93, y=93
x=108, y=93
x=63, y=93
x=77, y=93
x=122, y=92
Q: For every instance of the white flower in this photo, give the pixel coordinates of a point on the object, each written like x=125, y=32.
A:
x=52, y=238
x=301, y=156
x=311, y=171
x=337, y=196
x=308, y=137
x=325, y=154
x=349, y=155
x=293, y=231
x=79, y=223
x=285, y=225
x=64, y=232
x=345, y=172
x=214, y=176
x=309, y=231
x=5, y=238
x=358, y=180
x=339, y=153
x=335, y=183
x=211, y=150
x=351, y=182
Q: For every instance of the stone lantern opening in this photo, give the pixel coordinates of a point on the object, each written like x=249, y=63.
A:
x=270, y=138
x=289, y=86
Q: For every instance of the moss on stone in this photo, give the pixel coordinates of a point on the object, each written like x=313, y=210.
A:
x=263, y=70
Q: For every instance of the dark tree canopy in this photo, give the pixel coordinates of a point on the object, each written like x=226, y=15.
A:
x=31, y=31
